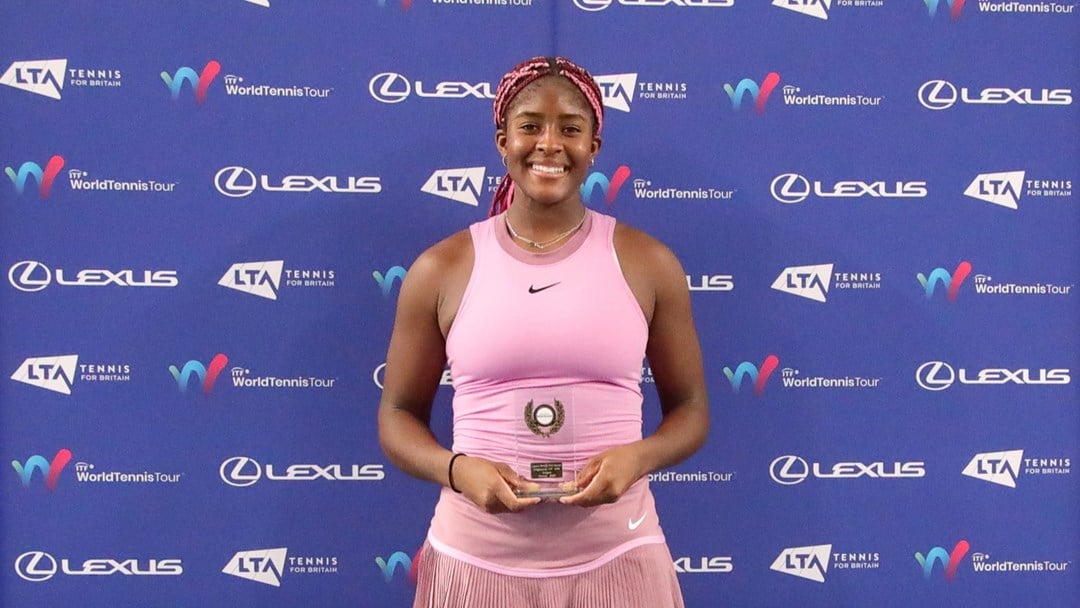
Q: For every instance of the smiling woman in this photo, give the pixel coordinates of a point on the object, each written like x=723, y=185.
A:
x=544, y=313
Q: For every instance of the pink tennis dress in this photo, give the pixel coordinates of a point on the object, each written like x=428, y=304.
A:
x=546, y=353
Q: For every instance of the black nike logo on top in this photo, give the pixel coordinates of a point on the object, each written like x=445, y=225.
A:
x=539, y=289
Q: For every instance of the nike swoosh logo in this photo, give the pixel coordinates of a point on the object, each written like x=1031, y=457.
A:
x=633, y=525
x=539, y=289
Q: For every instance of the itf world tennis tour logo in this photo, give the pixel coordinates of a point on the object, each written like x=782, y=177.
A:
x=44, y=177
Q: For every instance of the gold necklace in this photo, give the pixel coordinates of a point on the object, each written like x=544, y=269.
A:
x=547, y=243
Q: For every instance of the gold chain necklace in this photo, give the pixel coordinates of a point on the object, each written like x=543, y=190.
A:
x=547, y=243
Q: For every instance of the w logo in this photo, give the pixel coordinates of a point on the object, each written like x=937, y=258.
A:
x=397, y=560
x=207, y=375
x=760, y=94
x=955, y=6
x=199, y=82
x=386, y=283
x=949, y=561
x=44, y=178
x=610, y=188
x=49, y=470
x=758, y=375
x=941, y=276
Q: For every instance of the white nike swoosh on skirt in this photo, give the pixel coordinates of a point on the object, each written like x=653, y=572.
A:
x=633, y=525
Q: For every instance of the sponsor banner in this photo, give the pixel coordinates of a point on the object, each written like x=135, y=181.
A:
x=242, y=471
x=264, y=279
x=87, y=473
x=814, y=282
x=207, y=374
x=790, y=470
x=234, y=85
x=940, y=375
x=39, y=566
x=821, y=9
x=59, y=373
x=31, y=276
x=1005, y=189
x=793, y=188
x=943, y=94
x=47, y=77
x=460, y=185
x=691, y=477
x=813, y=562
x=1003, y=468
x=705, y=564
x=985, y=284
x=269, y=566
x=237, y=182
x=792, y=378
x=392, y=87
x=650, y=190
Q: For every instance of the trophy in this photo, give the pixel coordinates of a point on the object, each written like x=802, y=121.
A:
x=546, y=451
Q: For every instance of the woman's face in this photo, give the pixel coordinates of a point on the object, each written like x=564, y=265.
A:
x=548, y=141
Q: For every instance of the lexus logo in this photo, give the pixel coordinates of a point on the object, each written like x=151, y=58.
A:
x=240, y=471
x=790, y=188
x=29, y=276
x=937, y=95
x=935, y=375
x=236, y=182
x=592, y=5
x=35, y=566
x=789, y=470
x=389, y=87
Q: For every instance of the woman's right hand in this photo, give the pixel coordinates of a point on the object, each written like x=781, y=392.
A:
x=490, y=485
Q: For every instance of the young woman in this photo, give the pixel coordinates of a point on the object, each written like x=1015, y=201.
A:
x=544, y=313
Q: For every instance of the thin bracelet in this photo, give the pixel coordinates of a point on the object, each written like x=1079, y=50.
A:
x=450, y=472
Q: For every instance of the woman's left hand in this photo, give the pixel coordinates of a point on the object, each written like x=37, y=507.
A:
x=606, y=477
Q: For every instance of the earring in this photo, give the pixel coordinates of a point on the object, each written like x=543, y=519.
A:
x=592, y=161
x=504, y=162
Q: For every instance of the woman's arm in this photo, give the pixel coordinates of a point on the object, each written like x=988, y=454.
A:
x=659, y=283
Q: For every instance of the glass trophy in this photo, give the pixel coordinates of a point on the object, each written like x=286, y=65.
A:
x=546, y=452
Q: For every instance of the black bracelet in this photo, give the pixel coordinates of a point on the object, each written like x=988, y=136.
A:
x=450, y=472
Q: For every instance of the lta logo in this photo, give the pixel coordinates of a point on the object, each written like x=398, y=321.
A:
x=760, y=94
x=49, y=470
x=942, y=277
x=44, y=177
x=610, y=187
x=200, y=82
x=955, y=6
x=398, y=559
x=949, y=561
x=758, y=375
x=207, y=374
x=386, y=283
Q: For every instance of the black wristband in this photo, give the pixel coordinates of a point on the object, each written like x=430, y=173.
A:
x=450, y=472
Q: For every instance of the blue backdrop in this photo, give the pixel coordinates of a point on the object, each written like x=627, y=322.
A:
x=209, y=207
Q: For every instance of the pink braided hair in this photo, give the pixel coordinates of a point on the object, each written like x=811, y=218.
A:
x=515, y=81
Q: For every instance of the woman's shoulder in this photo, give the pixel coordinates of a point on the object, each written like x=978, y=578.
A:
x=637, y=247
x=444, y=256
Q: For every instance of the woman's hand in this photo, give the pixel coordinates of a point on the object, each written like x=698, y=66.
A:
x=606, y=477
x=491, y=485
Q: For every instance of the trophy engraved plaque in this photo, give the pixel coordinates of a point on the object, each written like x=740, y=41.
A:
x=546, y=452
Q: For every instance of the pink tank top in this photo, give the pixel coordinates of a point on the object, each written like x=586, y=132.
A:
x=538, y=328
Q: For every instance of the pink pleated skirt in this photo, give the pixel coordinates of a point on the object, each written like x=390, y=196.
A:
x=643, y=577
